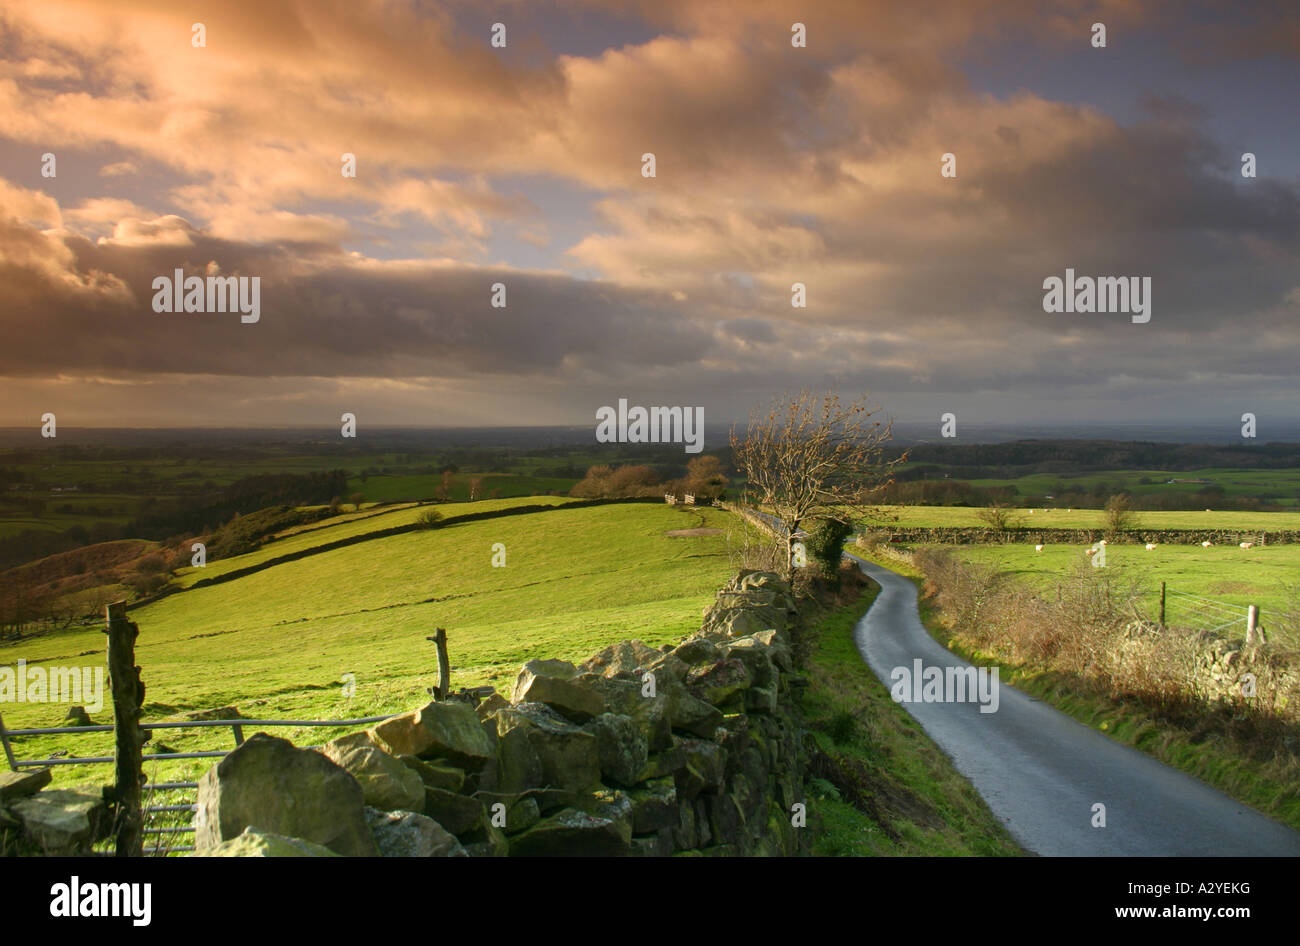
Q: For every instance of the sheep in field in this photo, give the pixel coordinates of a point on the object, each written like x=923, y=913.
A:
x=1038, y=548
x=1206, y=544
x=1246, y=545
x=1151, y=546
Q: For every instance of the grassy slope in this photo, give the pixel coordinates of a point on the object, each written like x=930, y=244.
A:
x=348, y=525
x=919, y=804
x=1269, y=785
x=277, y=642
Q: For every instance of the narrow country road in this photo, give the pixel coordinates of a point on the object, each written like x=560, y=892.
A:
x=1041, y=772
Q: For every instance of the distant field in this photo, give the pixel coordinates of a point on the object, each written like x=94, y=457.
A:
x=277, y=643
x=115, y=490
x=409, y=488
x=82, y=509
x=1283, y=484
x=1226, y=575
x=956, y=516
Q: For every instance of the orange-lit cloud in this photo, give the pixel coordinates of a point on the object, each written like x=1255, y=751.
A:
x=775, y=165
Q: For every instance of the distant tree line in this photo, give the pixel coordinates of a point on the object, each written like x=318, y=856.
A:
x=1018, y=458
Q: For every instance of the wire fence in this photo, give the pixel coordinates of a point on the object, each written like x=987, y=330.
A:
x=1184, y=609
x=1214, y=617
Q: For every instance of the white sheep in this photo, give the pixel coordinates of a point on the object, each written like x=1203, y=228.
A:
x=1206, y=544
x=1246, y=545
x=1151, y=546
x=1089, y=551
x=1038, y=548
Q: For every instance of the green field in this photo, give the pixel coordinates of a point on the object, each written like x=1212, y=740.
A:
x=1268, y=577
x=278, y=642
x=1049, y=518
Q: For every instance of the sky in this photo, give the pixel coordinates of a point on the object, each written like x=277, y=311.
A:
x=522, y=165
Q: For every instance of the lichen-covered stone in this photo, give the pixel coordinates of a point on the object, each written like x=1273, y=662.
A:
x=448, y=730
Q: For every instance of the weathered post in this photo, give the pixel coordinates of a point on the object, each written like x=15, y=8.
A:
x=1162, y=604
x=443, y=688
x=1252, y=621
x=9, y=752
x=128, y=697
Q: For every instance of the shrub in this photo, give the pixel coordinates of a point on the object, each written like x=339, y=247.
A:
x=825, y=545
x=1119, y=515
x=429, y=518
x=146, y=584
x=999, y=516
x=151, y=564
x=843, y=728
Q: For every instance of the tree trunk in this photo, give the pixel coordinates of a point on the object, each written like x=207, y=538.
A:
x=790, y=543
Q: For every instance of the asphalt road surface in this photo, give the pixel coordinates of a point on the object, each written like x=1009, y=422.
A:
x=1041, y=772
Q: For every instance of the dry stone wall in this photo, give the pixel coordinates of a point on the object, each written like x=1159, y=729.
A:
x=976, y=535
x=692, y=749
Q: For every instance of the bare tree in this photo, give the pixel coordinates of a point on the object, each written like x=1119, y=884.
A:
x=1120, y=516
x=812, y=456
x=999, y=516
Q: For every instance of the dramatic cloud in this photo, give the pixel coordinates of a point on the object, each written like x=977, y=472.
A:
x=776, y=165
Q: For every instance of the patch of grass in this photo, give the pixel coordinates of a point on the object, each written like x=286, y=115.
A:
x=879, y=786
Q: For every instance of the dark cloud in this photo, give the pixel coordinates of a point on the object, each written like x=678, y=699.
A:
x=323, y=313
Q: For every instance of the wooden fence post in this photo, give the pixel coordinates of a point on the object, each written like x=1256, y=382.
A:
x=128, y=697
x=1162, y=604
x=443, y=688
x=1252, y=621
x=9, y=752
